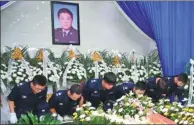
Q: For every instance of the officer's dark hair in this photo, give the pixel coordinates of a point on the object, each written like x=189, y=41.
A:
x=65, y=10
x=183, y=77
x=40, y=80
x=162, y=85
x=75, y=88
x=141, y=85
x=110, y=78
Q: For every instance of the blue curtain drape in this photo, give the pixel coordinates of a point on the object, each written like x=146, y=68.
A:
x=170, y=24
x=3, y=3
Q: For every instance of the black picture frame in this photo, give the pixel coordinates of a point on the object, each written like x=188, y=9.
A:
x=70, y=36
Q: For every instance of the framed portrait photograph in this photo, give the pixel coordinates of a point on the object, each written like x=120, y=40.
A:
x=65, y=23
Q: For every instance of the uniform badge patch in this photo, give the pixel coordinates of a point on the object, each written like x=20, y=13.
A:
x=95, y=91
x=60, y=103
x=24, y=97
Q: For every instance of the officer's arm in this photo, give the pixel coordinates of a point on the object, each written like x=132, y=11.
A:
x=86, y=91
x=81, y=102
x=53, y=103
x=13, y=96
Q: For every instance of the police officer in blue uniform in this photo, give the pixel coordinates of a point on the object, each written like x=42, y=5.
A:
x=176, y=84
x=139, y=89
x=27, y=97
x=64, y=102
x=66, y=34
x=157, y=88
x=101, y=90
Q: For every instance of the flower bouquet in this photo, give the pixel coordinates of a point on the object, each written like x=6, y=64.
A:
x=176, y=112
x=154, y=69
x=130, y=107
x=76, y=72
x=97, y=67
x=4, y=73
x=18, y=73
x=89, y=115
x=19, y=68
x=102, y=69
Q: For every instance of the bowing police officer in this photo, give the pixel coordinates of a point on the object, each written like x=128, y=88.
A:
x=139, y=88
x=176, y=84
x=99, y=91
x=64, y=102
x=157, y=88
x=28, y=97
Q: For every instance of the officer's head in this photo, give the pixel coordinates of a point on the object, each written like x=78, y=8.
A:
x=162, y=87
x=181, y=79
x=65, y=17
x=109, y=80
x=140, y=88
x=75, y=92
x=38, y=83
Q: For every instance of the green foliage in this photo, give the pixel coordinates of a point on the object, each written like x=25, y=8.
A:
x=30, y=119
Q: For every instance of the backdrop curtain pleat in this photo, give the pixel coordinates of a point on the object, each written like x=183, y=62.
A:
x=171, y=25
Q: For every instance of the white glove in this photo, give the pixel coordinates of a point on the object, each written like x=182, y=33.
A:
x=67, y=118
x=54, y=115
x=13, y=118
x=60, y=118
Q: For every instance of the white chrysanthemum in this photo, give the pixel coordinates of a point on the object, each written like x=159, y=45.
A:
x=166, y=100
x=95, y=113
x=82, y=116
x=176, y=121
x=140, y=112
x=39, y=63
x=120, y=110
x=14, y=75
x=92, y=108
x=26, y=80
x=115, y=104
x=88, y=104
x=88, y=118
x=165, y=110
x=17, y=80
x=185, y=122
x=19, y=73
x=2, y=77
x=78, y=109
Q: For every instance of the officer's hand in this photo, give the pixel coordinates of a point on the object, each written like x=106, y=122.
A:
x=60, y=118
x=54, y=115
x=13, y=118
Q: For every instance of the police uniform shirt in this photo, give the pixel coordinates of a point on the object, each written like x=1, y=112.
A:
x=174, y=90
x=151, y=90
x=70, y=36
x=123, y=89
x=94, y=93
x=62, y=103
x=25, y=100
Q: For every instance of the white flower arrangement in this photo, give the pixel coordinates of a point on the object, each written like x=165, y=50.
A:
x=4, y=72
x=132, y=108
x=76, y=72
x=154, y=69
x=18, y=73
x=137, y=73
x=102, y=69
x=54, y=71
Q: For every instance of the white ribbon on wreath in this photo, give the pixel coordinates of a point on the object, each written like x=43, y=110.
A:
x=47, y=62
x=64, y=83
x=23, y=63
